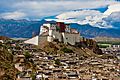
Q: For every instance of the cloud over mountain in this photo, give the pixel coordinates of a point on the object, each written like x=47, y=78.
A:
x=91, y=16
x=13, y=15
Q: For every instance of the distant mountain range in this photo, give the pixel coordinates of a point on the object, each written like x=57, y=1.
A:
x=91, y=32
x=98, y=22
x=19, y=28
x=24, y=29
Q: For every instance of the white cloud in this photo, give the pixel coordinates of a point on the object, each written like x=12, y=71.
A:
x=82, y=17
x=45, y=8
x=37, y=9
x=81, y=14
x=112, y=8
x=92, y=17
x=13, y=15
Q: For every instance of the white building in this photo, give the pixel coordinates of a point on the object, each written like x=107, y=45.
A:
x=56, y=30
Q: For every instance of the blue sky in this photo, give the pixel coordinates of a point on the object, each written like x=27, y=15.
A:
x=38, y=9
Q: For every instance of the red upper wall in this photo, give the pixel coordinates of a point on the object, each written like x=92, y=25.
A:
x=61, y=26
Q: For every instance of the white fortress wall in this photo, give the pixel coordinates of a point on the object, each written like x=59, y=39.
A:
x=57, y=35
x=42, y=30
x=33, y=40
x=64, y=38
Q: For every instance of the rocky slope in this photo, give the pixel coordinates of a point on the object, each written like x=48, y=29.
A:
x=85, y=49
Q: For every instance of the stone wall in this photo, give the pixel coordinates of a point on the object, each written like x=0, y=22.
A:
x=67, y=37
x=62, y=37
x=71, y=38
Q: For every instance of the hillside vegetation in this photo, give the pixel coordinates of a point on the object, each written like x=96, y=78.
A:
x=7, y=70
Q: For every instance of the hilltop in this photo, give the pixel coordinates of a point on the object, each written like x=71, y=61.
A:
x=85, y=49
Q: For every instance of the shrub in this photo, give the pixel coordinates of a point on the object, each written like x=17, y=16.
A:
x=27, y=55
x=67, y=50
x=57, y=61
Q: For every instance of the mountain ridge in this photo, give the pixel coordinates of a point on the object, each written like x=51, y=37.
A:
x=24, y=29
